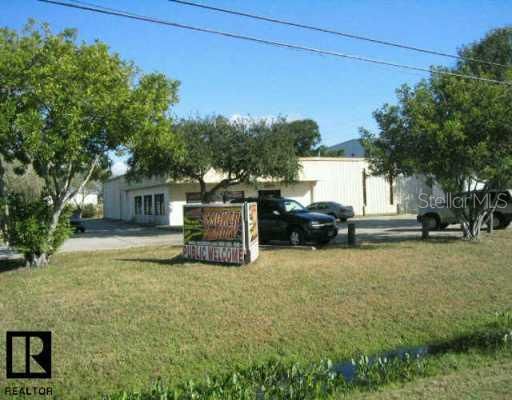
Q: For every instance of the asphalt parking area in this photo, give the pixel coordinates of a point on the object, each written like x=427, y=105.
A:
x=107, y=235
x=390, y=228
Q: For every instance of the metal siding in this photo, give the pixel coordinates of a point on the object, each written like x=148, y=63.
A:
x=321, y=179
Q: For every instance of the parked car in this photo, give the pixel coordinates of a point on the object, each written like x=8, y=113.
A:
x=333, y=209
x=439, y=216
x=286, y=219
x=76, y=222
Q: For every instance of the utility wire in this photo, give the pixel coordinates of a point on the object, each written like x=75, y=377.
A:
x=333, y=32
x=129, y=15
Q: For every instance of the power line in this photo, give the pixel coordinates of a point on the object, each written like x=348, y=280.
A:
x=333, y=32
x=129, y=15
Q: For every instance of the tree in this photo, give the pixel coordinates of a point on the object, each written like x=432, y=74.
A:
x=64, y=107
x=455, y=131
x=241, y=151
x=307, y=139
x=306, y=136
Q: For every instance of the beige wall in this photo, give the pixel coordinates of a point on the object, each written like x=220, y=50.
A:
x=321, y=179
x=341, y=180
x=300, y=191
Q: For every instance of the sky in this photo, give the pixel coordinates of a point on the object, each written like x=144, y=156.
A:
x=232, y=77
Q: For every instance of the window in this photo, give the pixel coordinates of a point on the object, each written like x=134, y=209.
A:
x=269, y=193
x=391, y=191
x=138, y=205
x=292, y=206
x=148, y=200
x=159, y=204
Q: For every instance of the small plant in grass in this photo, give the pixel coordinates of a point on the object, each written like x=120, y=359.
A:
x=380, y=371
x=271, y=380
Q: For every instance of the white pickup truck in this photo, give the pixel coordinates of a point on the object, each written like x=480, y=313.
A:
x=439, y=216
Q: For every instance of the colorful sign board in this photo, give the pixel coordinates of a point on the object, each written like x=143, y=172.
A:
x=224, y=233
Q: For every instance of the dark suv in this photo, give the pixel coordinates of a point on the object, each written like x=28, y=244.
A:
x=286, y=219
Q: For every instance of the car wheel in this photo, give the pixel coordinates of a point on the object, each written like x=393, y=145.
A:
x=296, y=237
x=431, y=222
x=323, y=242
x=498, y=221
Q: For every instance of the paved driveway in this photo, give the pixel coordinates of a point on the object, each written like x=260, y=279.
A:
x=390, y=228
x=103, y=234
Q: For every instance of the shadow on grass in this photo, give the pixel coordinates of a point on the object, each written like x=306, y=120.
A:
x=391, y=243
x=11, y=265
x=178, y=261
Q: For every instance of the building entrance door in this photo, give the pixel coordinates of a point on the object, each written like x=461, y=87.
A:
x=269, y=193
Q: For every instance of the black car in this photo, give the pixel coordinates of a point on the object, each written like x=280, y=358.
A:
x=76, y=222
x=332, y=208
x=286, y=219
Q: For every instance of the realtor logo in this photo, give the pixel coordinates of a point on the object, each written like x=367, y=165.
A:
x=29, y=355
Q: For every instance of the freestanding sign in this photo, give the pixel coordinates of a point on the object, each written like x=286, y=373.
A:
x=225, y=233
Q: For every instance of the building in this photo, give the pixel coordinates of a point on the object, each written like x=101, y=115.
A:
x=345, y=180
x=351, y=148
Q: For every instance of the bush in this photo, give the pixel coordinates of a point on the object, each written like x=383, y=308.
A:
x=28, y=226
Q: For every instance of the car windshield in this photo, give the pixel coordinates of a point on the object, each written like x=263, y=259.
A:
x=292, y=206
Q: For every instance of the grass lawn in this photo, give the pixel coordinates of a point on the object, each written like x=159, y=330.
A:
x=122, y=318
x=489, y=381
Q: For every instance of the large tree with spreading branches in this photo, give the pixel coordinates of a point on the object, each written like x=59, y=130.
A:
x=455, y=131
x=240, y=151
x=64, y=107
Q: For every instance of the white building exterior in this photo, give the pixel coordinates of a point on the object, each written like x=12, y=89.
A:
x=345, y=180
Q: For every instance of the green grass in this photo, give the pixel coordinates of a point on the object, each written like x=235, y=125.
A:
x=483, y=379
x=120, y=319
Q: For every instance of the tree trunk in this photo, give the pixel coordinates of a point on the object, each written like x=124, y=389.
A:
x=37, y=260
x=205, y=196
x=4, y=212
x=57, y=211
x=473, y=228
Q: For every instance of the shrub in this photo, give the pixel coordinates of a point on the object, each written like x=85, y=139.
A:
x=28, y=227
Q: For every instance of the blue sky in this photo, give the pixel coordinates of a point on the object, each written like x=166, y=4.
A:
x=228, y=76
